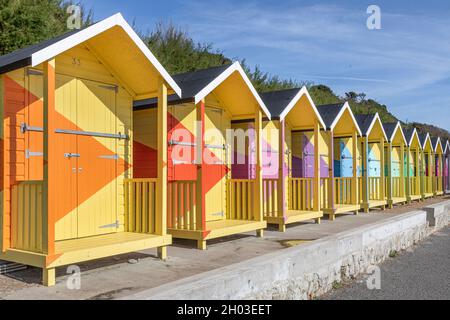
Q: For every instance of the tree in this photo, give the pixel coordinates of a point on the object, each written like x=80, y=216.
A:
x=26, y=22
x=178, y=52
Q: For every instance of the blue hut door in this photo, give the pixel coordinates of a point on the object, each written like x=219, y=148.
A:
x=346, y=160
x=374, y=166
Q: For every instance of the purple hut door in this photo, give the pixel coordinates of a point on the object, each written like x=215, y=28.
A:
x=308, y=157
x=446, y=172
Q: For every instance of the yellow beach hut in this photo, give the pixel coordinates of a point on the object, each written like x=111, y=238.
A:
x=438, y=175
x=372, y=183
x=447, y=167
x=395, y=164
x=67, y=134
x=339, y=190
x=413, y=168
x=205, y=201
x=427, y=166
x=292, y=161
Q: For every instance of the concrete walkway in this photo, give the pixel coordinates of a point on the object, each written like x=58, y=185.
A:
x=117, y=277
x=420, y=273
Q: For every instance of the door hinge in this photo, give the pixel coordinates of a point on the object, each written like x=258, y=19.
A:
x=218, y=214
x=112, y=157
x=110, y=87
x=112, y=225
x=29, y=154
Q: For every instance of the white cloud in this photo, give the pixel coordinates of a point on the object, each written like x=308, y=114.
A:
x=332, y=43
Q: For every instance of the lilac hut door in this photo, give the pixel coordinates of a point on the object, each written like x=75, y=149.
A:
x=308, y=157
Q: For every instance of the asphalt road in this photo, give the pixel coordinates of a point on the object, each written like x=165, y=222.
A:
x=422, y=273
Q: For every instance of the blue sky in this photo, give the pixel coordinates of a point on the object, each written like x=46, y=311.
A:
x=405, y=65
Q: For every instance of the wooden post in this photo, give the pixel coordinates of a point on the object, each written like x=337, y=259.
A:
x=402, y=170
x=259, y=216
x=418, y=172
x=408, y=173
x=389, y=177
x=161, y=185
x=331, y=190
x=422, y=173
x=281, y=184
x=440, y=173
x=431, y=170
x=3, y=246
x=382, y=171
x=48, y=191
x=200, y=201
x=317, y=175
x=355, y=197
x=365, y=173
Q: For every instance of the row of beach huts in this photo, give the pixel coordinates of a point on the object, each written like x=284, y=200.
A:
x=104, y=153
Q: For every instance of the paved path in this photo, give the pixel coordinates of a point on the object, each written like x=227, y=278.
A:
x=422, y=273
x=115, y=277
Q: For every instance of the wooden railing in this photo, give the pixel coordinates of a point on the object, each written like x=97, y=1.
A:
x=428, y=185
x=343, y=190
x=181, y=206
x=140, y=205
x=374, y=187
x=240, y=199
x=324, y=191
x=26, y=219
x=413, y=186
x=437, y=184
x=301, y=194
x=397, y=187
x=270, y=198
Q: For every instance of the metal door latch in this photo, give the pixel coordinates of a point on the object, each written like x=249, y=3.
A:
x=72, y=155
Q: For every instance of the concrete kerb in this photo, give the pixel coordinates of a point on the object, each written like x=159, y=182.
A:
x=437, y=214
x=308, y=270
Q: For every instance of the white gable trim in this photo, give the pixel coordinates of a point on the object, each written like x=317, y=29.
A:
x=375, y=118
x=74, y=40
x=447, y=147
x=222, y=77
x=425, y=142
x=398, y=127
x=346, y=106
x=438, y=142
x=415, y=133
x=302, y=92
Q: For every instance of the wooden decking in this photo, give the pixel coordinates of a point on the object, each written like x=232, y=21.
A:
x=218, y=229
x=377, y=203
x=295, y=216
x=414, y=197
x=86, y=249
x=428, y=195
x=341, y=209
x=396, y=200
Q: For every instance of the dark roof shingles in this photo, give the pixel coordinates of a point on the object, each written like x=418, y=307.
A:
x=277, y=101
x=329, y=113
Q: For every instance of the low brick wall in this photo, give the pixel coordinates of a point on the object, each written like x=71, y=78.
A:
x=308, y=271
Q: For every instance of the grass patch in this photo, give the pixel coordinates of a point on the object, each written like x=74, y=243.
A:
x=336, y=285
x=393, y=253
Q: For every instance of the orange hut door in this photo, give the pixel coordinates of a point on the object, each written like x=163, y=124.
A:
x=87, y=159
